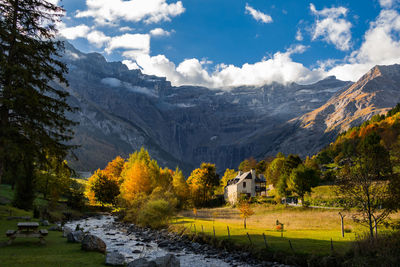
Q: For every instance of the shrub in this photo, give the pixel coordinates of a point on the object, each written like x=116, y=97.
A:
x=380, y=251
x=155, y=213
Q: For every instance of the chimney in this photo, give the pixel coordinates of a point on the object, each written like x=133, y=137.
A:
x=239, y=173
x=253, y=173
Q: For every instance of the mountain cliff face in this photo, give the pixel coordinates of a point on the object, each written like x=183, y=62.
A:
x=122, y=110
x=374, y=93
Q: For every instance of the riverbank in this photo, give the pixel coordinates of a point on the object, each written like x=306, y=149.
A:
x=28, y=252
x=135, y=242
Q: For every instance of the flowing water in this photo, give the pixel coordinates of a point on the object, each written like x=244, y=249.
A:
x=118, y=239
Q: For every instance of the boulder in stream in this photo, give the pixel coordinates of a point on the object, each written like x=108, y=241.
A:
x=93, y=243
x=75, y=237
x=66, y=231
x=115, y=259
x=142, y=262
x=169, y=260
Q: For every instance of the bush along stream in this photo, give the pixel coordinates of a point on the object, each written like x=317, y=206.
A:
x=136, y=246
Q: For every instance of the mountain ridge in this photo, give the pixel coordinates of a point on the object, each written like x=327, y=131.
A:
x=122, y=110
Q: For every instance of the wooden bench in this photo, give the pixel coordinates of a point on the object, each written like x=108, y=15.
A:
x=27, y=229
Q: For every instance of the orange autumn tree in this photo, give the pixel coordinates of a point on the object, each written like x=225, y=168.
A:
x=114, y=168
x=137, y=179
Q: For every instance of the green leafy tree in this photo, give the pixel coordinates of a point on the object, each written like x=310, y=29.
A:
x=32, y=108
x=302, y=179
x=54, y=180
x=275, y=170
x=369, y=184
x=105, y=189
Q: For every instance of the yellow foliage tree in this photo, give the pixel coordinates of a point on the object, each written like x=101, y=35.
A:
x=180, y=186
x=228, y=175
x=136, y=179
x=202, y=182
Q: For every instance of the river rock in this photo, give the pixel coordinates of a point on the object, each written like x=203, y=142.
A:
x=169, y=260
x=75, y=237
x=66, y=231
x=115, y=259
x=141, y=262
x=45, y=223
x=55, y=228
x=93, y=243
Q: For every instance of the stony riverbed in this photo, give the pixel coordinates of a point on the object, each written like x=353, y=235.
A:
x=134, y=242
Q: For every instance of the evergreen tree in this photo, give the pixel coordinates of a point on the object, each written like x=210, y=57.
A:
x=32, y=108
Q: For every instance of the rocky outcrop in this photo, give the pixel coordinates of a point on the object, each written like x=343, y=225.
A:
x=375, y=93
x=93, y=243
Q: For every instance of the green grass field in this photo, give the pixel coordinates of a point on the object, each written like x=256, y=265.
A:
x=309, y=230
x=29, y=252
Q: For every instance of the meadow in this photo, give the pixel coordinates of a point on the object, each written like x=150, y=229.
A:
x=309, y=230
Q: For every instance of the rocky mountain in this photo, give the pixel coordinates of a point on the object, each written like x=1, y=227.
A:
x=374, y=93
x=122, y=110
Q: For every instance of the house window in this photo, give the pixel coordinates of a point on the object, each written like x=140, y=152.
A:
x=244, y=184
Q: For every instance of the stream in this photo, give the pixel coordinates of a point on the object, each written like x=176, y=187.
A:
x=133, y=245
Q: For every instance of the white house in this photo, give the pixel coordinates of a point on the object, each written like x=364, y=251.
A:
x=244, y=184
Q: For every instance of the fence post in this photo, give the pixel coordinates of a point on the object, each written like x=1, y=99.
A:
x=251, y=243
x=194, y=227
x=202, y=230
x=342, y=223
x=331, y=245
x=265, y=241
x=291, y=247
x=214, y=231
x=229, y=234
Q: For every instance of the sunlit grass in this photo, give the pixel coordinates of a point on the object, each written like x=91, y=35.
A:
x=309, y=230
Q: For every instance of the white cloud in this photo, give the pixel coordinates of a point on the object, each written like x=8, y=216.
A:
x=159, y=32
x=299, y=35
x=110, y=81
x=98, y=38
x=126, y=29
x=280, y=68
x=71, y=33
x=135, y=43
x=54, y=2
x=387, y=3
x=381, y=46
x=257, y=15
x=149, y=11
x=332, y=27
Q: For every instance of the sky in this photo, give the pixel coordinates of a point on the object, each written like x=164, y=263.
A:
x=226, y=43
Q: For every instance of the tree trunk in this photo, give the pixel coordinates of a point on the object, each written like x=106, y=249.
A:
x=244, y=222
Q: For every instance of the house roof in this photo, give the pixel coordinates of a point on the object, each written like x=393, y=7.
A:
x=239, y=178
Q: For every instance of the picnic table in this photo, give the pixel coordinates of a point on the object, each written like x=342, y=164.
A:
x=27, y=229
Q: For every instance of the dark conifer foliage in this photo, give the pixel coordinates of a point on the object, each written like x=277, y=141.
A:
x=33, y=123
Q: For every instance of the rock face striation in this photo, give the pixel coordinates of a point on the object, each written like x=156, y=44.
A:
x=375, y=93
x=121, y=110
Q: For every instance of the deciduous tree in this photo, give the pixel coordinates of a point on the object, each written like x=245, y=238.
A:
x=369, y=184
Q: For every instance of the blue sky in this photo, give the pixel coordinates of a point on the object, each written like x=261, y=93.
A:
x=223, y=43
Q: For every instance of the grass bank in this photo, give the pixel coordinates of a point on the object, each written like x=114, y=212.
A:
x=28, y=251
